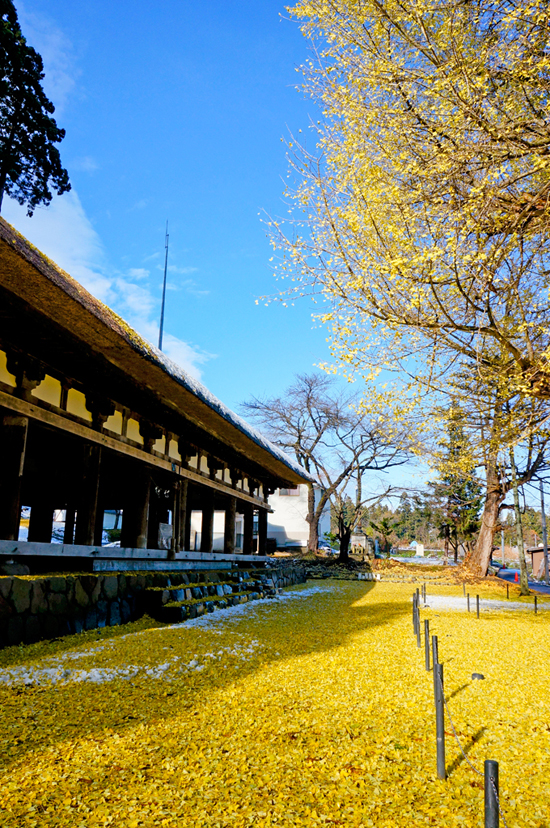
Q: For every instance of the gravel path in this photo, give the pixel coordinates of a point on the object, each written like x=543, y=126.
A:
x=444, y=602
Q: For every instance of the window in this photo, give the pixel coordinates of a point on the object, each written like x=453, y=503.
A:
x=292, y=492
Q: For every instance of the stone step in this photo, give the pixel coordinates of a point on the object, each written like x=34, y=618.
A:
x=174, y=613
x=157, y=597
x=41, y=606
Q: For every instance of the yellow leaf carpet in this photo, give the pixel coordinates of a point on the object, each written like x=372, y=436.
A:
x=312, y=710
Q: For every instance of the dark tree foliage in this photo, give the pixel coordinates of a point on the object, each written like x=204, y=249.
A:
x=386, y=527
x=29, y=161
x=457, y=497
x=414, y=518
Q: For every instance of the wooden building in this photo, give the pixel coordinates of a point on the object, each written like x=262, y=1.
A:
x=537, y=560
x=94, y=418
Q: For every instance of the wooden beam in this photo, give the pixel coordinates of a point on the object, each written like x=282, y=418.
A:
x=248, y=529
x=135, y=514
x=86, y=510
x=54, y=420
x=41, y=521
x=207, y=524
x=262, y=532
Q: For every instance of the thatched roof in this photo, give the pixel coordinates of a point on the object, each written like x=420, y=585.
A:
x=42, y=285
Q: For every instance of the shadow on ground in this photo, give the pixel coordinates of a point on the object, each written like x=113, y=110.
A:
x=30, y=719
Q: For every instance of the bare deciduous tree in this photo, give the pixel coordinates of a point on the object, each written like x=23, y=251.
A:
x=331, y=439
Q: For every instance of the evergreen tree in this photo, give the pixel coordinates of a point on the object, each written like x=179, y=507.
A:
x=415, y=518
x=385, y=527
x=29, y=161
x=458, y=495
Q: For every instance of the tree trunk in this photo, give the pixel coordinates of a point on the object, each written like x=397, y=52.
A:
x=344, y=536
x=313, y=521
x=478, y=561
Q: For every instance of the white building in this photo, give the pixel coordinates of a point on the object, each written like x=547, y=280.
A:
x=287, y=524
x=218, y=531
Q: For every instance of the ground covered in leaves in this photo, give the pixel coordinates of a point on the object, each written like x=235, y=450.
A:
x=312, y=710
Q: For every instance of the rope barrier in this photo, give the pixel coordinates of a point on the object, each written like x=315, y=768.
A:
x=473, y=767
x=438, y=679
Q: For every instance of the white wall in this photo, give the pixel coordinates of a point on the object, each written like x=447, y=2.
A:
x=219, y=530
x=288, y=524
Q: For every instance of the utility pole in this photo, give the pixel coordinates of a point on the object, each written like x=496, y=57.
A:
x=523, y=579
x=161, y=327
x=544, y=534
x=502, y=547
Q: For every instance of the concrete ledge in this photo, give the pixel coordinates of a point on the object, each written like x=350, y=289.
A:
x=115, y=553
x=137, y=565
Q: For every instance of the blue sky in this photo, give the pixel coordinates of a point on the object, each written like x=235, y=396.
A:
x=176, y=111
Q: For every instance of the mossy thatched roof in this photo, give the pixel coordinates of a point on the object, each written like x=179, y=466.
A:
x=31, y=276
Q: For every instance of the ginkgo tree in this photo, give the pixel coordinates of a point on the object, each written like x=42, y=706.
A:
x=488, y=427
x=422, y=214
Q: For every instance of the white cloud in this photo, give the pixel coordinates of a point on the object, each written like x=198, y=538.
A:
x=57, y=53
x=184, y=270
x=137, y=299
x=186, y=356
x=139, y=205
x=138, y=273
x=191, y=287
x=64, y=233
x=85, y=164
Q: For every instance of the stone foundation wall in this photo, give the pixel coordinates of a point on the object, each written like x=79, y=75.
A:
x=35, y=608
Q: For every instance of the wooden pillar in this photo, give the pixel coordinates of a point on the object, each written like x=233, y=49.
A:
x=13, y=443
x=248, y=529
x=182, y=527
x=88, y=495
x=100, y=516
x=262, y=531
x=41, y=522
x=135, y=516
x=187, y=524
x=176, y=509
x=68, y=534
x=153, y=520
x=207, y=529
x=229, y=531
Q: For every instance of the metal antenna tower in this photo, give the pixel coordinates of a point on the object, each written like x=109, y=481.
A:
x=163, y=288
